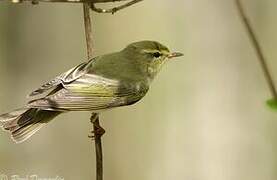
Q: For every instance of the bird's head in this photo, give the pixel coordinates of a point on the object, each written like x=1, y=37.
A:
x=149, y=56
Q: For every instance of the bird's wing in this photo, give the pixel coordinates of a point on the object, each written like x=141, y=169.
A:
x=91, y=92
x=64, y=78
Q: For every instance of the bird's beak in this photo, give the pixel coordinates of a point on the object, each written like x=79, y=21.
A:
x=175, y=54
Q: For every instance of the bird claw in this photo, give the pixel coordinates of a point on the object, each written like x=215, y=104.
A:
x=97, y=132
x=114, y=10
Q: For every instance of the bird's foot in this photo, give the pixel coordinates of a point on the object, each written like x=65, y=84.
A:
x=97, y=132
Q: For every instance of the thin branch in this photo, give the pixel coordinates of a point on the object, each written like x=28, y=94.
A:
x=257, y=48
x=115, y=9
x=88, y=30
x=66, y=1
x=92, y=2
x=98, y=131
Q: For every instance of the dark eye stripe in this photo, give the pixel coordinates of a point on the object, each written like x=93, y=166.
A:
x=157, y=54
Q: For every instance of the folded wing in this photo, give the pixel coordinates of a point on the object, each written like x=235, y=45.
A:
x=64, y=78
x=92, y=92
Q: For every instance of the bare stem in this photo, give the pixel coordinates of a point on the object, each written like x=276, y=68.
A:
x=115, y=9
x=257, y=48
x=88, y=30
x=97, y=130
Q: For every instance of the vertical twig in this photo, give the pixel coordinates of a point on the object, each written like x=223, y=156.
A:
x=94, y=117
x=88, y=29
x=257, y=48
x=98, y=131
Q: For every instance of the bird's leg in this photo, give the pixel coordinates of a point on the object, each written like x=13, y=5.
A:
x=97, y=131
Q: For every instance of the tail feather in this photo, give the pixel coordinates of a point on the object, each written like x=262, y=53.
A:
x=6, y=119
x=23, y=123
x=23, y=133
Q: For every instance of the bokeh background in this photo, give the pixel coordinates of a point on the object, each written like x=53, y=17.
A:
x=203, y=119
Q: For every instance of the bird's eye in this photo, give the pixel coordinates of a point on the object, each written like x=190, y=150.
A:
x=157, y=54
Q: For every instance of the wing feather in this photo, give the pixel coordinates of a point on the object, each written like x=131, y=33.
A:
x=64, y=78
x=92, y=92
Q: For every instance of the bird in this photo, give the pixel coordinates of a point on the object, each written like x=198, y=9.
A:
x=104, y=82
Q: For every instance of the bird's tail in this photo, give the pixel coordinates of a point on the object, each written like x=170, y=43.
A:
x=25, y=122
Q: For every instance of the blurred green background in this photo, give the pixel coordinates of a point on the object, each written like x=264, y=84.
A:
x=203, y=119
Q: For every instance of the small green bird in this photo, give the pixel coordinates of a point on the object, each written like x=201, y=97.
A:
x=112, y=80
